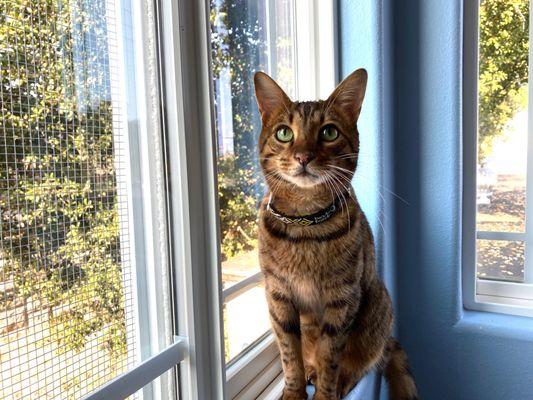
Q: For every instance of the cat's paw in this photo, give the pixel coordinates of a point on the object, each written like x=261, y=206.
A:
x=322, y=396
x=345, y=385
x=310, y=374
x=290, y=394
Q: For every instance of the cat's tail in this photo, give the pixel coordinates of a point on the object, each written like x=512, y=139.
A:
x=397, y=372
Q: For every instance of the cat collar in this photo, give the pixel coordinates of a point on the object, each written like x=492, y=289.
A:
x=305, y=220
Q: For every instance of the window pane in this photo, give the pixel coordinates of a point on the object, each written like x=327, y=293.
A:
x=501, y=260
x=245, y=320
x=246, y=36
x=68, y=293
x=502, y=136
x=503, y=121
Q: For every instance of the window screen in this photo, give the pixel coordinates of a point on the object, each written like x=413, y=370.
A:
x=67, y=322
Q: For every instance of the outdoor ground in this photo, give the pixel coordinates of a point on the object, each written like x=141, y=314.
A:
x=499, y=259
x=32, y=369
x=245, y=317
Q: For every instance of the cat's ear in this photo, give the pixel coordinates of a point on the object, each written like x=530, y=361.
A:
x=347, y=98
x=271, y=99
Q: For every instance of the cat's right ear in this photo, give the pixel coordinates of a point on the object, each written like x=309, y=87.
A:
x=271, y=99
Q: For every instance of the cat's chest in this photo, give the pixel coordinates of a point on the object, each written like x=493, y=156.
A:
x=307, y=294
x=306, y=268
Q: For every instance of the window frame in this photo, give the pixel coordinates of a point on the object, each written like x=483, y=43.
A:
x=158, y=349
x=184, y=53
x=190, y=227
x=145, y=188
x=482, y=294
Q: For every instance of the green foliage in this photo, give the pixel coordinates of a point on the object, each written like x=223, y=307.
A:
x=59, y=226
x=236, y=48
x=238, y=208
x=503, y=65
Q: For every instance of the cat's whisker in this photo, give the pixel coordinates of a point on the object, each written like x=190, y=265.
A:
x=384, y=188
x=335, y=188
x=277, y=184
x=326, y=181
x=343, y=198
x=276, y=181
x=381, y=223
x=349, y=155
x=340, y=168
x=366, y=177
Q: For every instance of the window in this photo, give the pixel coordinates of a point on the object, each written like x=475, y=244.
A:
x=498, y=161
x=290, y=40
x=128, y=192
x=80, y=306
x=245, y=37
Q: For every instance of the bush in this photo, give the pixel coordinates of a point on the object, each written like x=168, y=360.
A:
x=237, y=189
x=59, y=225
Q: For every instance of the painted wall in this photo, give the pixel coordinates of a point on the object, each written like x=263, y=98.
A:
x=415, y=138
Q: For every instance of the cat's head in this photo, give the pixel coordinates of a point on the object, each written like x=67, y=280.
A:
x=309, y=143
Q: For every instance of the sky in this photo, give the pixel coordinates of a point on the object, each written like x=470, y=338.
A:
x=509, y=154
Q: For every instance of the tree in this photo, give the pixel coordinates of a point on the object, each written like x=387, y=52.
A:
x=59, y=227
x=503, y=66
x=237, y=47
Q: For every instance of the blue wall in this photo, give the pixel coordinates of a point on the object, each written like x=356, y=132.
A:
x=414, y=49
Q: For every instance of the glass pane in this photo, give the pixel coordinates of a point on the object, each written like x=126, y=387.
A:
x=501, y=260
x=246, y=36
x=503, y=121
x=245, y=320
x=67, y=273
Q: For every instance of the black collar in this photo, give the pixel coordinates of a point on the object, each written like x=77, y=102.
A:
x=306, y=220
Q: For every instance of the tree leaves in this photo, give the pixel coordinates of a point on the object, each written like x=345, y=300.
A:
x=503, y=66
x=59, y=224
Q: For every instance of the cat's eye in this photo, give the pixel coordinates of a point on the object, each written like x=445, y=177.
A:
x=329, y=133
x=284, y=134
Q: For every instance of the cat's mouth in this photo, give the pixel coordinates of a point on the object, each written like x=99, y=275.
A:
x=303, y=177
x=304, y=172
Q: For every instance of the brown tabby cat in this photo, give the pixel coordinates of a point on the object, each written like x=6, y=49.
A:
x=329, y=310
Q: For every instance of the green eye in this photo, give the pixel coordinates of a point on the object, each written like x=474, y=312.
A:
x=329, y=133
x=284, y=135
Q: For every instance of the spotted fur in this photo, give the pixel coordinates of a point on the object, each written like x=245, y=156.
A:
x=331, y=314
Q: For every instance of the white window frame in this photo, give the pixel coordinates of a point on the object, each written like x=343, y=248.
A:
x=481, y=294
x=156, y=349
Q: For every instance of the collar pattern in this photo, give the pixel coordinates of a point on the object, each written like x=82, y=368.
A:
x=305, y=220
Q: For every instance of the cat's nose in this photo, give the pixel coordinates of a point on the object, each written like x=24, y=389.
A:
x=304, y=158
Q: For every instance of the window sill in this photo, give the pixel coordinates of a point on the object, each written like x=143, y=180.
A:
x=502, y=325
x=509, y=298
x=248, y=376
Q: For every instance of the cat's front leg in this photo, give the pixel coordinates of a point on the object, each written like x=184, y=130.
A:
x=336, y=321
x=285, y=321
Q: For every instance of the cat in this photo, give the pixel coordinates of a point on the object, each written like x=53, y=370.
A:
x=331, y=314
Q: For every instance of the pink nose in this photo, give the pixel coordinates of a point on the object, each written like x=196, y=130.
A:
x=304, y=158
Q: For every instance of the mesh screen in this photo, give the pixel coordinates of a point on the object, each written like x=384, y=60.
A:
x=65, y=269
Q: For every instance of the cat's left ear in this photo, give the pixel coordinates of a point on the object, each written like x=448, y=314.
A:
x=271, y=99
x=347, y=98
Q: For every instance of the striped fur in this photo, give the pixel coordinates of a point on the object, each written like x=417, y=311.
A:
x=331, y=314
